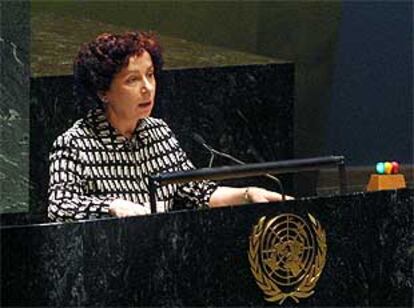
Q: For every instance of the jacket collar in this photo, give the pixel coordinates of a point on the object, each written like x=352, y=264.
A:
x=110, y=137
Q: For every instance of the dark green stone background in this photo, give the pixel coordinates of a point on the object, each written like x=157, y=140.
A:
x=14, y=105
x=199, y=257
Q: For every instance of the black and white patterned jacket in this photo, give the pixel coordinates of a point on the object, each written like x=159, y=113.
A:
x=91, y=165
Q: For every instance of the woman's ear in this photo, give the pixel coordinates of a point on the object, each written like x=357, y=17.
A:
x=102, y=96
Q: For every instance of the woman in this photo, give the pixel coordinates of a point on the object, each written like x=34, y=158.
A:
x=100, y=166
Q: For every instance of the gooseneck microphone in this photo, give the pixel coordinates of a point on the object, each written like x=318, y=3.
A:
x=200, y=140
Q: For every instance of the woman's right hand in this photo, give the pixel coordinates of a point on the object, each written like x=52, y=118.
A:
x=124, y=208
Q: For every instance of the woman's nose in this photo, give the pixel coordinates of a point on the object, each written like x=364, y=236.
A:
x=144, y=90
x=147, y=87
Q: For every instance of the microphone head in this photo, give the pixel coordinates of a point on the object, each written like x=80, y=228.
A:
x=198, y=139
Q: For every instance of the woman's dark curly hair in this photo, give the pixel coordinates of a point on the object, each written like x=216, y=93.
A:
x=98, y=61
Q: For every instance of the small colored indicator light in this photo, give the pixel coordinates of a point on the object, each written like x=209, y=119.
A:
x=380, y=168
x=395, y=167
x=387, y=167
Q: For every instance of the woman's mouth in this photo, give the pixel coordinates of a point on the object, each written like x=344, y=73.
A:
x=145, y=105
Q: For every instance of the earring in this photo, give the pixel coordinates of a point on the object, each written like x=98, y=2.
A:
x=104, y=99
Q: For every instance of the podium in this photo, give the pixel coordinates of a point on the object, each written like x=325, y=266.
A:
x=201, y=257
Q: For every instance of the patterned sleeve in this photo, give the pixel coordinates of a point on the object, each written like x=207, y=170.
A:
x=68, y=200
x=193, y=194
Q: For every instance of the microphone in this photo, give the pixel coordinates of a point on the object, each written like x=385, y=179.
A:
x=200, y=140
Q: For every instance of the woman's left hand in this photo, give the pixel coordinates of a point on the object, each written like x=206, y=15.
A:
x=227, y=196
x=259, y=195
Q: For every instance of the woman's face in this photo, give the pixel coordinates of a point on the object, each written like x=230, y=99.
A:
x=132, y=90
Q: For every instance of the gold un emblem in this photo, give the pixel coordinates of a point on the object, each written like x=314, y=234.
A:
x=287, y=256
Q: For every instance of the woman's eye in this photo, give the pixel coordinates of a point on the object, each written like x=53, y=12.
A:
x=131, y=80
x=150, y=75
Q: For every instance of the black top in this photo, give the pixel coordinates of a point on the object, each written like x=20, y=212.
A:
x=91, y=164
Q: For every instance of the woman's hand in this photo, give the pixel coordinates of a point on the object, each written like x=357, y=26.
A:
x=225, y=196
x=259, y=195
x=124, y=208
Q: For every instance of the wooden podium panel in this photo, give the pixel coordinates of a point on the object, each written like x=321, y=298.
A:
x=386, y=182
x=200, y=258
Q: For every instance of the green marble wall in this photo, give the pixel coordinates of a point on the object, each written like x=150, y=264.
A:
x=14, y=105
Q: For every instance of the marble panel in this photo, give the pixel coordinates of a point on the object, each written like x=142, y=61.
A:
x=14, y=105
x=199, y=257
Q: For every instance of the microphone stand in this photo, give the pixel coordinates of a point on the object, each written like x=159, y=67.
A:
x=201, y=141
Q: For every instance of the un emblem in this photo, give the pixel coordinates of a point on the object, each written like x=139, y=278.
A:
x=287, y=256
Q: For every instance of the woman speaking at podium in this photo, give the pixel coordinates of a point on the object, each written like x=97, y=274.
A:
x=100, y=166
